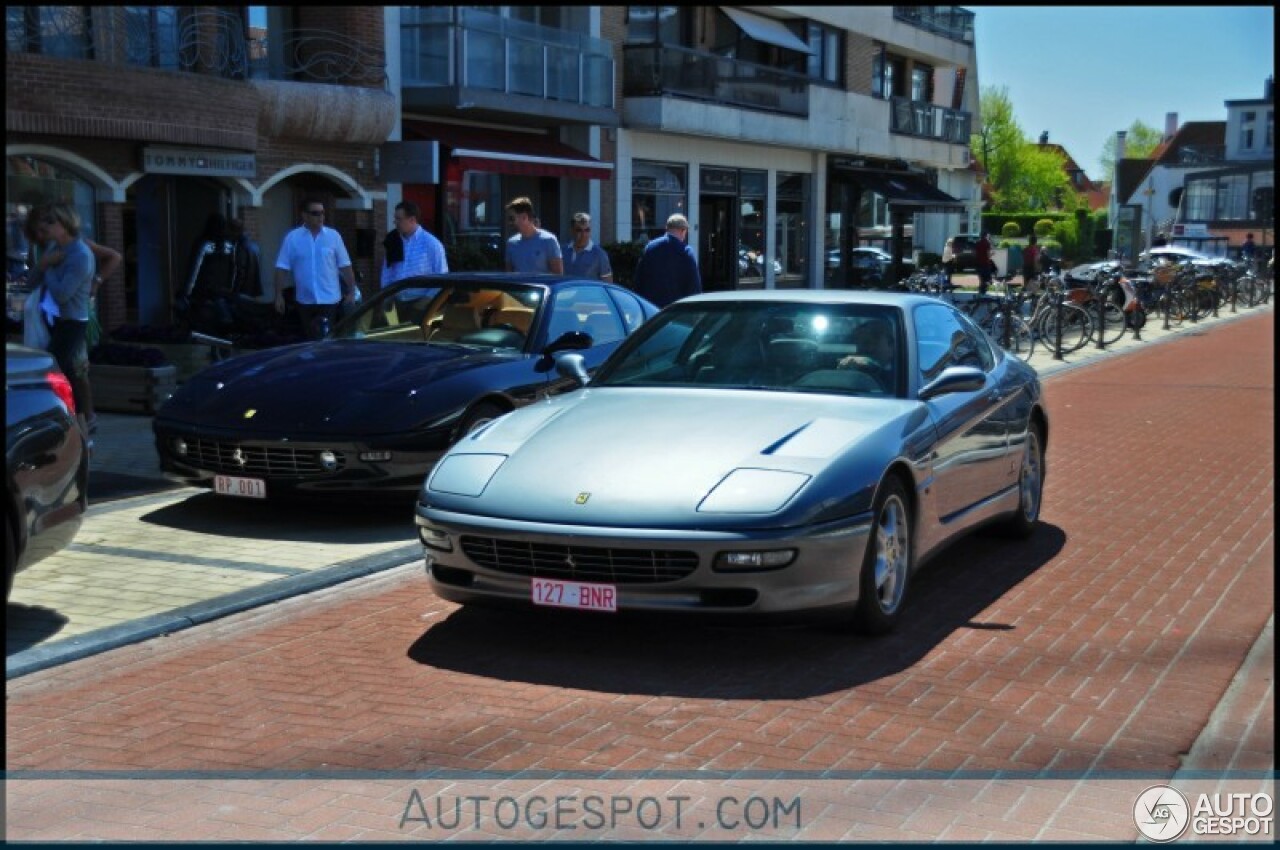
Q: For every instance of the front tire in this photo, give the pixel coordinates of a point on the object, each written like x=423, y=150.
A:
x=1030, y=487
x=886, y=567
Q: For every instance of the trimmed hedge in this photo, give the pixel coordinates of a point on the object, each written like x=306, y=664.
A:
x=1010, y=230
x=1043, y=228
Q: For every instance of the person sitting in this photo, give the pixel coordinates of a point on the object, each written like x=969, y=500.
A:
x=876, y=352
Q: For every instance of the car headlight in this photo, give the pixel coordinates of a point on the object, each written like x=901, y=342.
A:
x=464, y=475
x=753, y=491
x=435, y=538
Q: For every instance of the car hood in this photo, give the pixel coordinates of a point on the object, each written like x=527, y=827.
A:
x=633, y=457
x=327, y=388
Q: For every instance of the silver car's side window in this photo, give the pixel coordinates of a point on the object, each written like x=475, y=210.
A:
x=943, y=341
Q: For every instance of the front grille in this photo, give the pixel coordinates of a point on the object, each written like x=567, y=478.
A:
x=264, y=461
x=580, y=563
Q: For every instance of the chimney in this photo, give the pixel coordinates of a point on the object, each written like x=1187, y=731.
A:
x=1120, y=134
x=1170, y=125
x=1044, y=137
x=1268, y=87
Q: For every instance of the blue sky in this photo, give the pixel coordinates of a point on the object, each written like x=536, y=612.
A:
x=1084, y=72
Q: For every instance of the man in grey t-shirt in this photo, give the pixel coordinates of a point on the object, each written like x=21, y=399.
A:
x=531, y=249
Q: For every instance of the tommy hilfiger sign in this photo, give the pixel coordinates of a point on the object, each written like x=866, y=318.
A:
x=195, y=161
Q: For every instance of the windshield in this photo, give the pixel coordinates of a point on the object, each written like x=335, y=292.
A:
x=479, y=314
x=845, y=349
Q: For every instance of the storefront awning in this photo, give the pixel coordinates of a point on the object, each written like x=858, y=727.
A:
x=766, y=29
x=506, y=152
x=908, y=193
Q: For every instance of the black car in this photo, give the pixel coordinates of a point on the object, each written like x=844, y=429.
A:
x=46, y=461
x=370, y=409
x=964, y=253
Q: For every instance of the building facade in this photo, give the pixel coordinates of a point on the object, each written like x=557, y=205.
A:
x=149, y=119
x=787, y=135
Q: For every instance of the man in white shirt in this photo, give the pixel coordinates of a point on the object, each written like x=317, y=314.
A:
x=321, y=271
x=410, y=250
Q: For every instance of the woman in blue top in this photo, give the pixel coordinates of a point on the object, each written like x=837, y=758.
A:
x=67, y=271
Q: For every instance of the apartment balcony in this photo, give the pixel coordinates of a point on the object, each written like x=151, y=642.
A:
x=947, y=21
x=667, y=71
x=459, y=58
x=197, y=40
x=926, y=121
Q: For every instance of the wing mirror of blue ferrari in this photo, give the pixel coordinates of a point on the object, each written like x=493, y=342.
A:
x=573, y=366
x=955, y=379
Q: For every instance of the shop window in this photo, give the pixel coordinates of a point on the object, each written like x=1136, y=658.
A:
x=657, y=191
x=792, y=231
x=752, y=190
x=31, y=181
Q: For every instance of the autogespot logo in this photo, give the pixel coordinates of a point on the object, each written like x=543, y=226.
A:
x=1161, y=813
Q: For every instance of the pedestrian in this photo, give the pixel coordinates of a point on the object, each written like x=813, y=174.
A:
x=949, y=259
x=1030, y=260
x=531, y=249
x=409, y=250
x=206, y=299
x=248, y=261
x=667, y=270
x=582, y=256
x=982, y=257
x=322, y=278
x=66, y=270
x=1248, y=251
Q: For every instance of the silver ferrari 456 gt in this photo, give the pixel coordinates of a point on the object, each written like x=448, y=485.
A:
x=746, y=453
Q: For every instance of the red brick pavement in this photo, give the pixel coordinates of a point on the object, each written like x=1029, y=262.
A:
x=1103, y=644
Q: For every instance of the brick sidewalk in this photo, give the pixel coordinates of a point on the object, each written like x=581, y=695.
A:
x=1105, y=644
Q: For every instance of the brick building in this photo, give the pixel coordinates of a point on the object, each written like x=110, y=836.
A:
x=149, y=119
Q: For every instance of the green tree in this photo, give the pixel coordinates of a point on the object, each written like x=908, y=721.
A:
x=1022, y=175
x=1139, y=141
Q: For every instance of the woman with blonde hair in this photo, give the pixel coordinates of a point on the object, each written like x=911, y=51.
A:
x=67, y=271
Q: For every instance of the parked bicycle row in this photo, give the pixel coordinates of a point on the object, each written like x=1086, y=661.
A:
x=1100, y=302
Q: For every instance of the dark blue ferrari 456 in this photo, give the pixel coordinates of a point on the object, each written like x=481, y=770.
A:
x=370, y=409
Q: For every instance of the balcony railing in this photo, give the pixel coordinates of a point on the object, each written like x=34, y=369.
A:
x=197, y=40
x=947, y=21
x=918, y=118
x=466, y=48
x=665, y=70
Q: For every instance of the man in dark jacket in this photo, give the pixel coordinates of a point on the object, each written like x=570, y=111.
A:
x=667, y=270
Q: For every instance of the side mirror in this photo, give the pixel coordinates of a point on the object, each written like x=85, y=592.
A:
x=569, y=341
x=573, y=366
x=954, y=379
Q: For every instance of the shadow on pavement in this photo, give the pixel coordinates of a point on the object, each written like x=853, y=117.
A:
x=641, y=654
x=29, y=625
x=321, y=522
x=108, y=486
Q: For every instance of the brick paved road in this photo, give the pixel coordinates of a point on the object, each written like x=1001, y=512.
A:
x=1103, y=645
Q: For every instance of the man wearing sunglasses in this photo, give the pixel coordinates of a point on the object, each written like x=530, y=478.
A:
x=317, y=260
x=582, y=257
